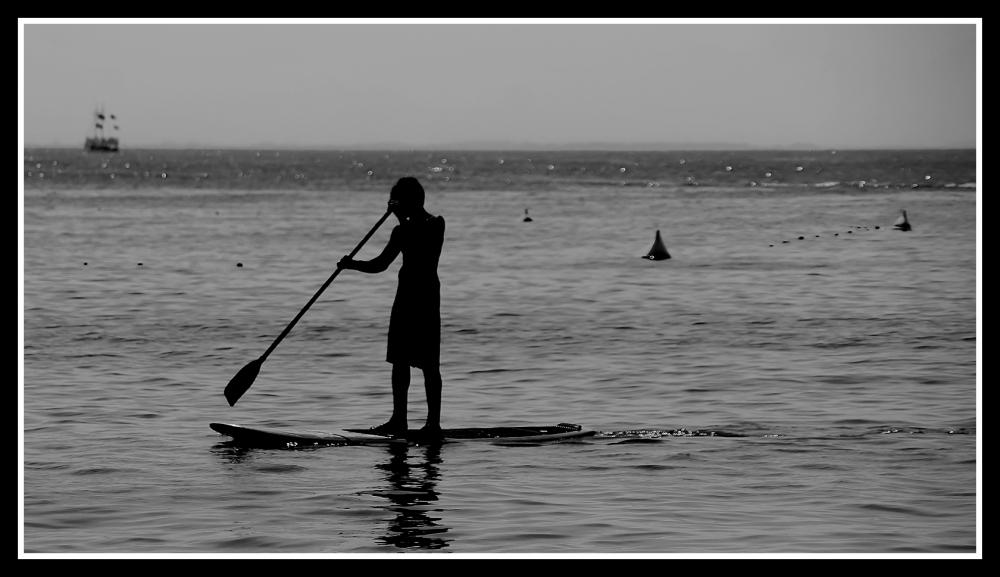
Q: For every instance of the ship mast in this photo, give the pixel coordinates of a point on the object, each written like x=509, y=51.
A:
x=99, y=123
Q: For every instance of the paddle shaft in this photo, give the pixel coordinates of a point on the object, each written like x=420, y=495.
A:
x=323, y=288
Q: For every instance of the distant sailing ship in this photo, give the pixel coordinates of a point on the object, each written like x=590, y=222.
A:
x=99, y=142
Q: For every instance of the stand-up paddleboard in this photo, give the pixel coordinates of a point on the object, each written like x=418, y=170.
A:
x=258, y=437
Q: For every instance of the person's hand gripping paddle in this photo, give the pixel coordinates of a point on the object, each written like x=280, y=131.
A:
x=245, y=378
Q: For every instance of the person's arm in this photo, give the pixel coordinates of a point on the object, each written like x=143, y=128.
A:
x=379, y=263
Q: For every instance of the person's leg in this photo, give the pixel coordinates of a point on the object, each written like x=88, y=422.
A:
x=432, y=384
x=400, y=386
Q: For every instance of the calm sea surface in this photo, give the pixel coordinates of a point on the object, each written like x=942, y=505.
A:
x=837, y=369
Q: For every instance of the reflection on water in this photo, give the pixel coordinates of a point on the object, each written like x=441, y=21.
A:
x=412, y=479
x=233, y=453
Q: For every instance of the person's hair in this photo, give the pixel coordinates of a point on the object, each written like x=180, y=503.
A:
x=408, y=191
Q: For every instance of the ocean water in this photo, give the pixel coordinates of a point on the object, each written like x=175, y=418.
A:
x=837, y=371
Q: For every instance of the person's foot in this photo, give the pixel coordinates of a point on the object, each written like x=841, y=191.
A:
x=427, y=435
x=389, y=429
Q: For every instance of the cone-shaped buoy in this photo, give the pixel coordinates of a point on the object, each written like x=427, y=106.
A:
x=526, y=217
x=659, y=251
x=902, y=223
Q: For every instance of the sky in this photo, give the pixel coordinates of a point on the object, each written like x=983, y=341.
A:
x=520, y=84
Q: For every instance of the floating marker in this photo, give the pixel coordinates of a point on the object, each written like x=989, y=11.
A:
x=659, y=251
x=526, y=217
x=239, y=264
x=902, y=223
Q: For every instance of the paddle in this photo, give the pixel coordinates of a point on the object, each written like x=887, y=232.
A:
x=243, y=379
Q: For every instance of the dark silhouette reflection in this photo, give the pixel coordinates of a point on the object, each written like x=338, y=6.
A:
x=412, y=478
x=411, y=475
x=233, y=453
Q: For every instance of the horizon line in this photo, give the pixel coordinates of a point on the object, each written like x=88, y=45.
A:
x=508, y=146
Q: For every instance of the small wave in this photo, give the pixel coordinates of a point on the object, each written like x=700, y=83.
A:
x=103, y=471
x=402, y=493
x=254, y=543
x=654, y=467
x=496, y=371
x=821, y=467
x=901, y=510
x=639, y=440
x=853, y=422
x=281, y=468
x=144, y=540
x=44, y=466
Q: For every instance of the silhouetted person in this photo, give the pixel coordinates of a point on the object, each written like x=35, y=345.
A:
x=415, y=322
x=902, y=223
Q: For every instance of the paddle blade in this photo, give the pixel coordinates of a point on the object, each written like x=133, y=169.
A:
x=242, y=381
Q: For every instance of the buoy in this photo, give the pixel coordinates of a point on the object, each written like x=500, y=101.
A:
x=902, y=223
x=526, y=217
x=239, y=264
x=659, y=251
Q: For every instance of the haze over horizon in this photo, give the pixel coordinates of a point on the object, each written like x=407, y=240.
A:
x=504, y=86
